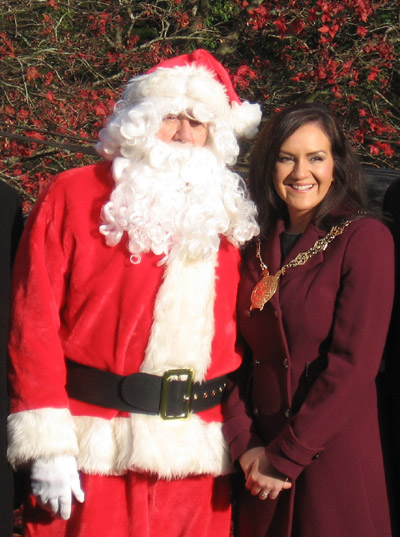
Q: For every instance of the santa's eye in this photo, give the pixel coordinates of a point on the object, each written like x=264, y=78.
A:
x=171, y=117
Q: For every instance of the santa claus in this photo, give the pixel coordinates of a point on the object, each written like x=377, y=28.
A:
x=123, y=324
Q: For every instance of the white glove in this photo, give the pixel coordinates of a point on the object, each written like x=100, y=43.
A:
x=54, y=482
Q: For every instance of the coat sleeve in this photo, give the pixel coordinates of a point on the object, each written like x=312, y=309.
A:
x=40, y=423
x=359, y=330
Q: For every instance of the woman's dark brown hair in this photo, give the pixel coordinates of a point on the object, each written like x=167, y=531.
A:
x=346, y=195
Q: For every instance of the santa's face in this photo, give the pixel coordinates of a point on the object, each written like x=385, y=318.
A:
x=174, y=193
x=183, y=129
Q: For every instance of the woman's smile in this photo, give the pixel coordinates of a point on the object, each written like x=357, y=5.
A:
x=301, y=188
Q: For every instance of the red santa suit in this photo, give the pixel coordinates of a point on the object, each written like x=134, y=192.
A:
x=82, y=296
x=76, y=297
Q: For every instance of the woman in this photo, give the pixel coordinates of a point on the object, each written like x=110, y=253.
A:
x=302, y=422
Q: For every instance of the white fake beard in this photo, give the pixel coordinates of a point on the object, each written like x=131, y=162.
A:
x=176, y=198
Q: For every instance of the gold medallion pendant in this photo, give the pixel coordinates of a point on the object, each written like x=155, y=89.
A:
x=264, y=290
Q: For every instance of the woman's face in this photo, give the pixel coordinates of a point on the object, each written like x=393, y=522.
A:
x=303, y=173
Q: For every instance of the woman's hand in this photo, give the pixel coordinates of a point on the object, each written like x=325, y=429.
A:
x=261, y=477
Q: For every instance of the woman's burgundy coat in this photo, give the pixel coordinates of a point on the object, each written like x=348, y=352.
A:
x=316, y=348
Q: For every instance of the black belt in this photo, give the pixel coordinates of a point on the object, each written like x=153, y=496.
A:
x=172, y=396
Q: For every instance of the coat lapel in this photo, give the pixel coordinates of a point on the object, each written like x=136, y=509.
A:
x=305, y=242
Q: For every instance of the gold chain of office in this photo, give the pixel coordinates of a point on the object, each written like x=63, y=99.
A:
x=267, y=286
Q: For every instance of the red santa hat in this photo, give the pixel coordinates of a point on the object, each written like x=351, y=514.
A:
x=199, y=77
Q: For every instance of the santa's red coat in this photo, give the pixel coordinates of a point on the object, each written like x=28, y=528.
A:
x=76, y=297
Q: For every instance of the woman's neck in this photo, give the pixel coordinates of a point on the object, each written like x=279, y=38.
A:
x=298, y=223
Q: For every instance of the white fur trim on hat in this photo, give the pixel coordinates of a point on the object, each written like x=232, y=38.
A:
x=194, y=85
x=188, y=82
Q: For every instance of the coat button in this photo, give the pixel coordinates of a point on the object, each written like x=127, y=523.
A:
x=315, y=457
x=276, y=313
x=286, y=363
x=288, y=412
x=255, y=411
x=257, y=362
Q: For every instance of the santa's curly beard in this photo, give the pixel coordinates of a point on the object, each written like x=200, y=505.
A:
x=176, y=198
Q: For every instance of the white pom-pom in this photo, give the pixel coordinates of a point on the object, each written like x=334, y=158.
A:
x=246, y=119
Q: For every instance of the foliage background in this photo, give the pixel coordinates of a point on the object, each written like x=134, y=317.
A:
x=63, y=64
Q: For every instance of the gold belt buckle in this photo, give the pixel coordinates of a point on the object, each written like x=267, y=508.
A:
x=176, y=375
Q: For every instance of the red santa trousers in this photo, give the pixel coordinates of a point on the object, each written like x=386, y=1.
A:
x=138, y=505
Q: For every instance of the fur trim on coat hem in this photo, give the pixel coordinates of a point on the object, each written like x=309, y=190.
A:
x=168, y=448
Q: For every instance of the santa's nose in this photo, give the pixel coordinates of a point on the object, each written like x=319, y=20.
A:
x=184, y=132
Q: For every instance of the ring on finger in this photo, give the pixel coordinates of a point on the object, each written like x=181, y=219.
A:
x=264, y=495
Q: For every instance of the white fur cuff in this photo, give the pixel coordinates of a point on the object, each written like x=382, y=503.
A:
x=45, y=432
